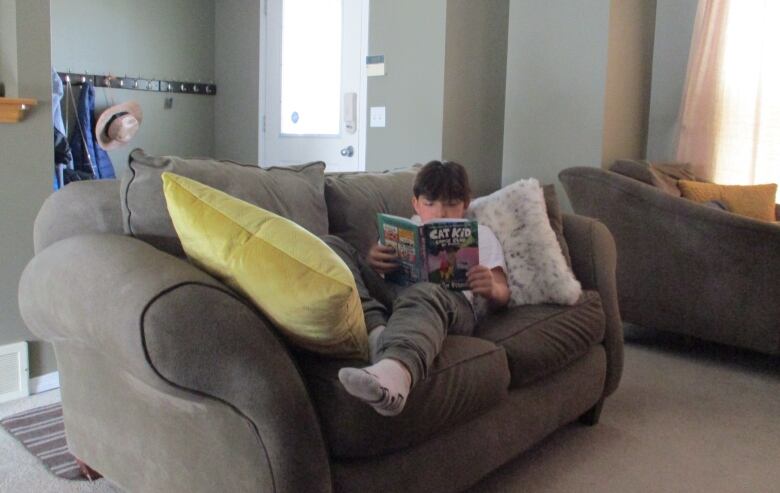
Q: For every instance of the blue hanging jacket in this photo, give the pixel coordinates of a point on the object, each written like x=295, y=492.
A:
x=88, y=156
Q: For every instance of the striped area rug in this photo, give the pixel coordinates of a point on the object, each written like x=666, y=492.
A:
x=42, y=432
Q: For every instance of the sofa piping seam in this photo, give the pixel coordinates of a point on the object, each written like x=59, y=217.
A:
x=127, y=190
x=156, y=297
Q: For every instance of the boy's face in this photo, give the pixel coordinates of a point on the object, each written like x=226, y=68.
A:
x=429, y=209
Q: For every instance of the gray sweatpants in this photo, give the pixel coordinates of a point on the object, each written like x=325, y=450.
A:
x=417, y=318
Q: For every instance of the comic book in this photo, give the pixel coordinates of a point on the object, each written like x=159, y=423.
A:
x=440, y=251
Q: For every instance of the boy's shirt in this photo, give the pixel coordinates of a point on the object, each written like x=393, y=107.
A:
x=490, y=255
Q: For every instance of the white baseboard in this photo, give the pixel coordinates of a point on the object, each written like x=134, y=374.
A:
x=45, y=382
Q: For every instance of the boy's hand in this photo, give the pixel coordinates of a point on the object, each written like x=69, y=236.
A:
x=382, y=259
x=490, y=284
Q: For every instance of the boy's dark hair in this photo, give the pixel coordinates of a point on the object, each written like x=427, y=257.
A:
x=443, y=180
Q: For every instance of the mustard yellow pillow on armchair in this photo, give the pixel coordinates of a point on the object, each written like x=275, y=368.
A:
x=292, y=276
x=756, y=201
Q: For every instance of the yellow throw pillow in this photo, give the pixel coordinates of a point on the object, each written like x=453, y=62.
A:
x=756, y=201
x=292, y=276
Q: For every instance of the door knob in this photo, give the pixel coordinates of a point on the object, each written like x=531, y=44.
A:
x=348, y=151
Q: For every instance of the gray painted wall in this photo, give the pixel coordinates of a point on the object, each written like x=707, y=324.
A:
x=26, y=160
x=474, y=89
x=8, y=46
x=410, y=34
x=171, y=39
x=237, y=64
x=673, y=32
x=556, y=77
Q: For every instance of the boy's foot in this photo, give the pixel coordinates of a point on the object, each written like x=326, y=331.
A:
x=384, y=385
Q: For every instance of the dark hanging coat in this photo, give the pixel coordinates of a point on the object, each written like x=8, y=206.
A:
x=88, y=156
x=63, y=160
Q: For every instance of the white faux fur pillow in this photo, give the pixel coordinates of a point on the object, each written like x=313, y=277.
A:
x=538, y=272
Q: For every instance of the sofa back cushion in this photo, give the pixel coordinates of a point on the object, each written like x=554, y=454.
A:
x=355, y=198
x=663, y=176
x=294, y=192
x=556, y=219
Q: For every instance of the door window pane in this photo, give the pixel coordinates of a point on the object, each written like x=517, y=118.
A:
x=311, y=67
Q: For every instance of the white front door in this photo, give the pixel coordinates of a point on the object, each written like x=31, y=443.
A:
x=315, y=83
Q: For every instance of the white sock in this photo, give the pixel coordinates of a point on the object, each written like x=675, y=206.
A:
x=373, y=343
x=383, y=385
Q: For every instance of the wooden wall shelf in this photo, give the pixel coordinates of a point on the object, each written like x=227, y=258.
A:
x=12, y=109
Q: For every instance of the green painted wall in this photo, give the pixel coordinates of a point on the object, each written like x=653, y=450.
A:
x=673, y=33
x=237, y=62
x=556, y=78
x=171, y=39
x=25, y=162
x=474, y=89
x=410, y=34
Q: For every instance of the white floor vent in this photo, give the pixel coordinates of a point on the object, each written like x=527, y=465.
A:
x=14, y=371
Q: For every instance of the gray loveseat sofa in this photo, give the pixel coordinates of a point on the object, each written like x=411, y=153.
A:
x=684, y=267
x=172, y=382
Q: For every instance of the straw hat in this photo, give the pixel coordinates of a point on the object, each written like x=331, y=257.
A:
x=118, y=124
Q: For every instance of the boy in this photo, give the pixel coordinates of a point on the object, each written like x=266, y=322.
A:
x=404, y=340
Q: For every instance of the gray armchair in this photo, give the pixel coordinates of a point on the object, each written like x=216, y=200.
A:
x=684, y=267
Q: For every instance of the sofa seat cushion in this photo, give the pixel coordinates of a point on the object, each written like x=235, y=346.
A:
x=468, y=377
x=542, y=339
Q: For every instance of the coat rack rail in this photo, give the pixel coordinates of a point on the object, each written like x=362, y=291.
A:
x=139, y=83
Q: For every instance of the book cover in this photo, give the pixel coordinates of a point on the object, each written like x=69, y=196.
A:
x=440, y=251
x=404, y=235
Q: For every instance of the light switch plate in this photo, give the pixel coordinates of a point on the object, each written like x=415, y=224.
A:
x=377, y=118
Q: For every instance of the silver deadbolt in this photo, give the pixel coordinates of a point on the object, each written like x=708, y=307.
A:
x=348, y=151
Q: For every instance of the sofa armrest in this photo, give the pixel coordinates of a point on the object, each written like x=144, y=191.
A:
x=594, y=260
x=684, y=267
x=173, y=329
x=79, y=208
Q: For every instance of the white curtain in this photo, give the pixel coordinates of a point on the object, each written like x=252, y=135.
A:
x=730, y=129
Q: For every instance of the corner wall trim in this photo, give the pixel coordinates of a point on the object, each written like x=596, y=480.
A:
x=45, y=382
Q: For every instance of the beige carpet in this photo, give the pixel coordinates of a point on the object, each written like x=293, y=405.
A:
x=22, y=472
x=687, y=417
